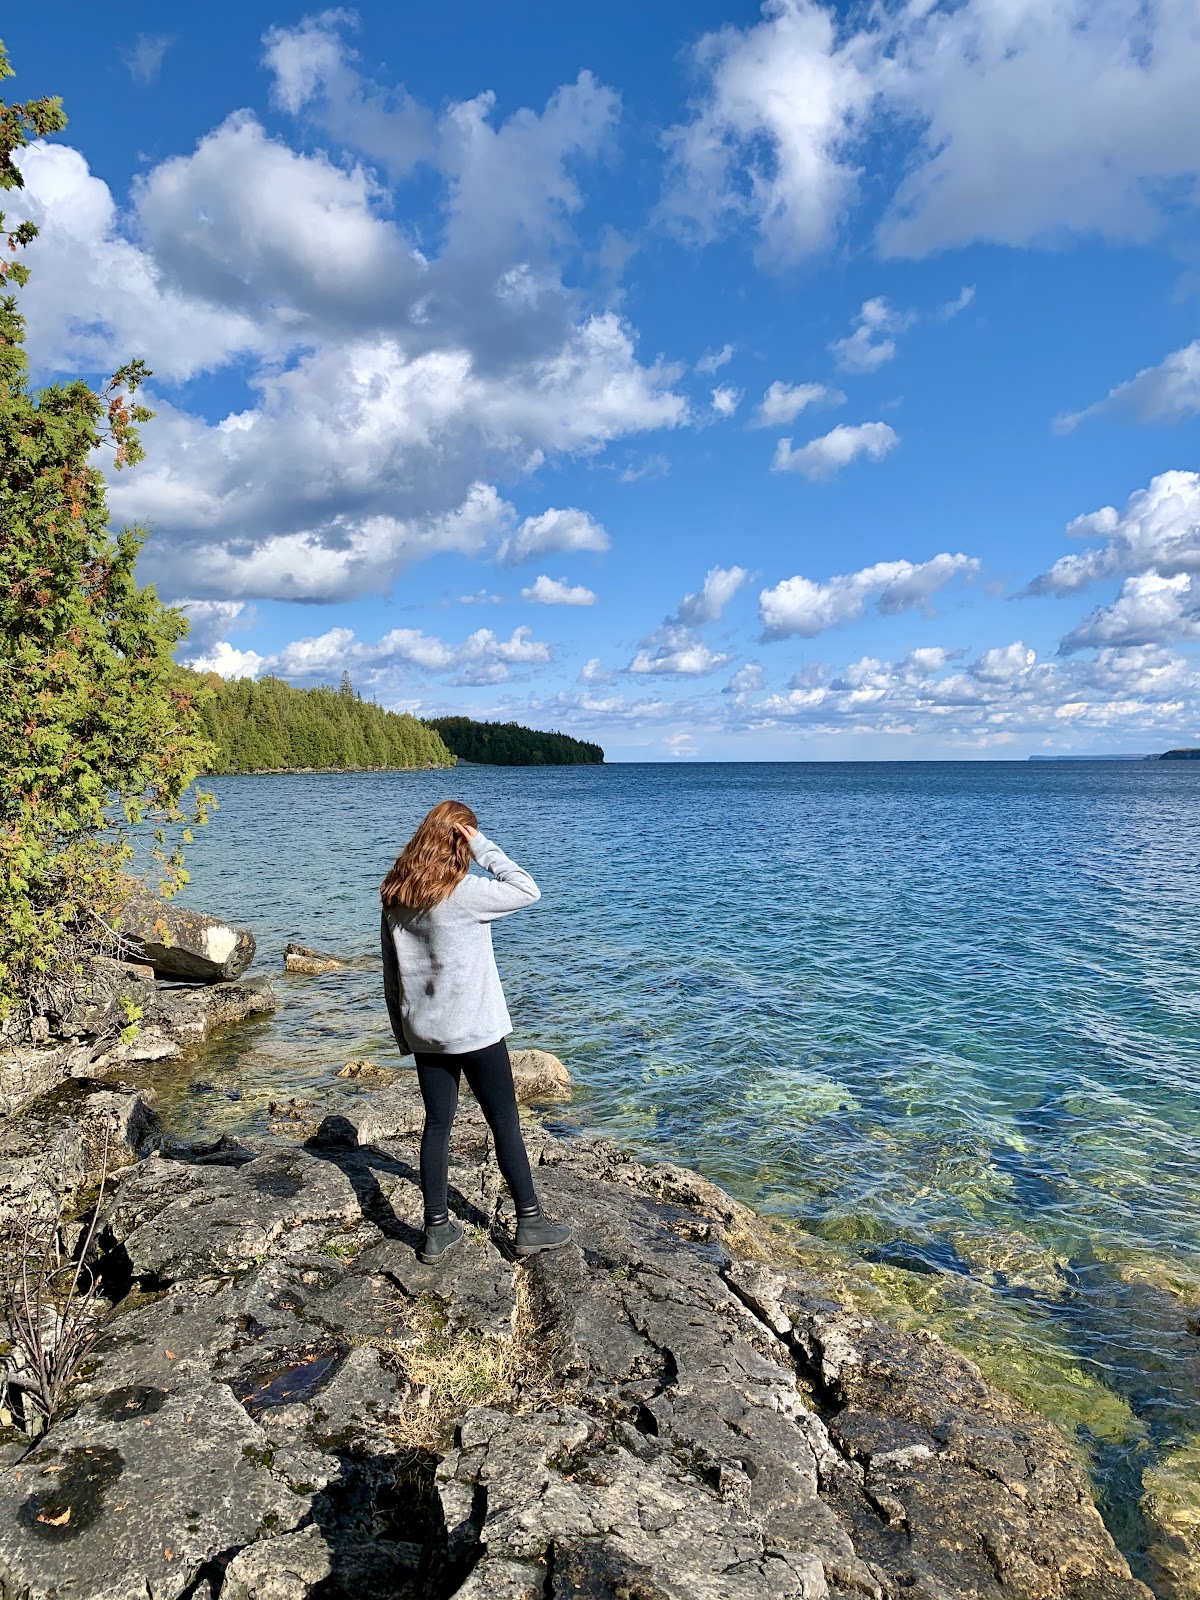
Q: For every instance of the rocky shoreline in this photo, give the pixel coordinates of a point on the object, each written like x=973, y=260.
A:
x=283, y=1402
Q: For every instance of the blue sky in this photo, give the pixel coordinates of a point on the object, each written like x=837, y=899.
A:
x=711, y=381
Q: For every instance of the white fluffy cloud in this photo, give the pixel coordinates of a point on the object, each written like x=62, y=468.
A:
x=772, y=134
x=358, y=460
x=675, y=647
x=1004, y=694
x=872, y=342
x=748, y=678
x=546, y=591
x=482, y=658
x=553, y=530
x=715, y=359
x=783, y=402
x=229, y=662
x=679, y=654
x=315, y=72
x=1168, y=392
x=800, y=606
x=1024, y=120
x=1144, y=696
x=96, y=296
x=821, y=458
x=208, y=620
x=725, y=400
x=720, y=586
x=1158, y=531
x=388, y=386
x=1150, y=609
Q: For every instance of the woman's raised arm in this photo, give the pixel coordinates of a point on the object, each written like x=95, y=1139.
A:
x=510, y=887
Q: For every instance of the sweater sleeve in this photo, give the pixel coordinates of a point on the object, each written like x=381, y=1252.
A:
x=508, y=887
x=391, y=983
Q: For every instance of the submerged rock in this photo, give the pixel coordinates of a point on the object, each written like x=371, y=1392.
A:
x=370, y=1070
x=1171, y=1506
x=287, y=1397
x=183, y=944
x=299, y=958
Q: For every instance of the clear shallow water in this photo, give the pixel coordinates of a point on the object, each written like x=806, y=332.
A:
x=946, y=1017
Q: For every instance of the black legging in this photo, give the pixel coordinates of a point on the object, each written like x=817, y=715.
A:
x=489, y=1073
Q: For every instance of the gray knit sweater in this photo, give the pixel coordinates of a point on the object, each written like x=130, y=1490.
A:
x=439, y=974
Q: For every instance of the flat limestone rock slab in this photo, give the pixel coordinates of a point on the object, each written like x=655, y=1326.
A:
x=217, y=1328
x=615, y=1523
x=177, y=1221
x=134, y=1493
x=180, y=1017
x=655, y=1417
x=30, y=1069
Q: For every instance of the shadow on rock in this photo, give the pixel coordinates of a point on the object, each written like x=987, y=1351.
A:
x=334, y=1142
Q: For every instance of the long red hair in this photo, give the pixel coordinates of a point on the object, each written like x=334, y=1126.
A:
x=433, y=862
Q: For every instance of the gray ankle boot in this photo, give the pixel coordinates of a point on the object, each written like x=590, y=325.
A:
x=535, y=1234
x=440, y=1238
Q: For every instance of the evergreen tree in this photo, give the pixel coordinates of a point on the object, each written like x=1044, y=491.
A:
x=100, y=727
x=269, y=726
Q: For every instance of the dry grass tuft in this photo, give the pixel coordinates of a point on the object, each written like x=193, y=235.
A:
x=450, y=1370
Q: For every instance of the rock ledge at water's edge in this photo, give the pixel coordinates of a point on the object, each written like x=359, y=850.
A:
x=285, y=1403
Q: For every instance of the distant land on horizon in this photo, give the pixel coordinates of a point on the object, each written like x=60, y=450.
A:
x=1183, y=753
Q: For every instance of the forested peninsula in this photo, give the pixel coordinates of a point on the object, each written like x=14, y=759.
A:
x=267, y=725
x=508, y=744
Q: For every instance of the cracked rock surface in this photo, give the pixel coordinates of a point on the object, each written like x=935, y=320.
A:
x=286, y=1403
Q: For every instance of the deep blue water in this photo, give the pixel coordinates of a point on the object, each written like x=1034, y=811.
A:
x=945, y=1016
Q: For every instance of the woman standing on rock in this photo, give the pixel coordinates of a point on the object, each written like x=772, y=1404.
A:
x=447, y=1007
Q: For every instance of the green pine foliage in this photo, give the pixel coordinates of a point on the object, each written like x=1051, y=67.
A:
x=266, y=725
x=100, y=728
x=508, y=744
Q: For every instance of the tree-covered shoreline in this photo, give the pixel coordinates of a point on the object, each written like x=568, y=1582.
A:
x=266, y=725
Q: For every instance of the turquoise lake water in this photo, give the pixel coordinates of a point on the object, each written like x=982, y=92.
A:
x=943, y=1016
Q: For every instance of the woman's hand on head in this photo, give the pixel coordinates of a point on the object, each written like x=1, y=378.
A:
x=467, y=831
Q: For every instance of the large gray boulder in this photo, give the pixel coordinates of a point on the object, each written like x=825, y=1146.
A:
x=182, y=944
